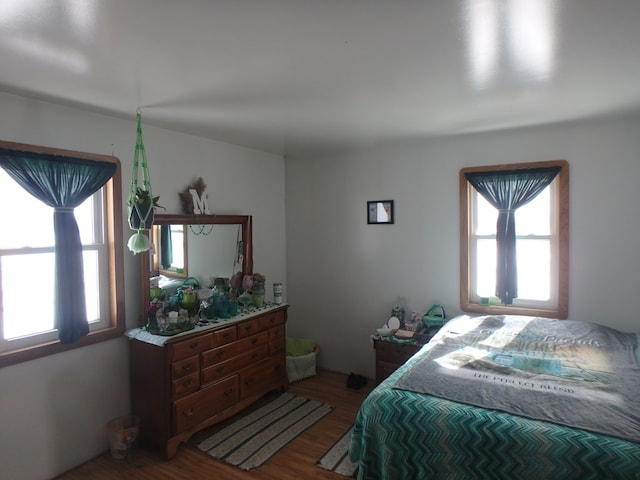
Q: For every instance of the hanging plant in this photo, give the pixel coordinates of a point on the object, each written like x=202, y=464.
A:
x=142, y=209
x=142, y=203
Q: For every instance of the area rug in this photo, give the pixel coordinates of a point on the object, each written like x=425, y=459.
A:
x=253, y=439
x=337, y=457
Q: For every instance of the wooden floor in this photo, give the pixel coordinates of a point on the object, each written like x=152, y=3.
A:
x=295, y=461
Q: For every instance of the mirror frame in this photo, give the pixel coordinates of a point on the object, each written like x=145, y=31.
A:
x=186, y=219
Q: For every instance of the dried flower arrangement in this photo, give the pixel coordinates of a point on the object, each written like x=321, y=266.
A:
x=185, y=196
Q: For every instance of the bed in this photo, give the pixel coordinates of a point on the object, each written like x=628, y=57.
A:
x=435, y=416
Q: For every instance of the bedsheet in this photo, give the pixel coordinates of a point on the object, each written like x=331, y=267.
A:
x=401, y=434
x=578, y=374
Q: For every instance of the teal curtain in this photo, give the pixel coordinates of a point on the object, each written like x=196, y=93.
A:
x=166, y=247
x=507, y=191
x=62, y=183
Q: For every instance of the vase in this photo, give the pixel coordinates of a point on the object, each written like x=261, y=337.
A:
x=137, y=213
x=152, y=321
x=257, y=292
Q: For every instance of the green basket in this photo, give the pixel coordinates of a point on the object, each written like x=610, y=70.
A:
x=435, y=316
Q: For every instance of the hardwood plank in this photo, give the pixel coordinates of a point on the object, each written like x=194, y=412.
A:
x=297, y=460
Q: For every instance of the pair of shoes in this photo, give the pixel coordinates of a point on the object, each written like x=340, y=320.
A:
x=356, y=381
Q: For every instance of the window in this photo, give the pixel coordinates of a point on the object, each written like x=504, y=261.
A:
x=27, y=265
x=541, y=248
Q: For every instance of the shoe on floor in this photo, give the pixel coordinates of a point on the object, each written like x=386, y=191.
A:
x=356, y=381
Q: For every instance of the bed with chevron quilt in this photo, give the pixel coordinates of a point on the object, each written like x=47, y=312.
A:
x=507, y=397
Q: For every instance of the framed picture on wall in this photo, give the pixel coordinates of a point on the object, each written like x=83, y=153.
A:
x=380, y=212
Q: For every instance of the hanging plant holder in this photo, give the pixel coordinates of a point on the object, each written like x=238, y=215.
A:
x=142, y=203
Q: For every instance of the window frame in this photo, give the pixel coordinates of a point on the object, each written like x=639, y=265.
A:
x=561, y=265
x=113, y=240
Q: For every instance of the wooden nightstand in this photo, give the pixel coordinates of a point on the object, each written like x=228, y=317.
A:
x=390, y=356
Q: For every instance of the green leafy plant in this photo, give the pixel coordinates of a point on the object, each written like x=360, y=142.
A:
x=143, y=198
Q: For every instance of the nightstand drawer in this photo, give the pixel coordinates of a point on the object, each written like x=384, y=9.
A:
x=393, y=353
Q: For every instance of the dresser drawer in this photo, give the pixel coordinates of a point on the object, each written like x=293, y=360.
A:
x=259, y=378
x=199, y=406
x=249, y=328
x=185, y=367
x=272, y=320
x=277, y=332
x=277, y=339
x=190, y=347
x=186, y=385
x=222, y=369
x=223, y=336
x=392, y=353
x=226, y=352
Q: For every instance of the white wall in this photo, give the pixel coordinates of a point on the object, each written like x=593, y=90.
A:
x=344, y=275
x=54, y=409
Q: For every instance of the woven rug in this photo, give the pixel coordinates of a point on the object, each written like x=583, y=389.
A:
x=337, y=457
x=253, y=439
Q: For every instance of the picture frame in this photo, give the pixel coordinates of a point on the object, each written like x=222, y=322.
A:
x=380, y=212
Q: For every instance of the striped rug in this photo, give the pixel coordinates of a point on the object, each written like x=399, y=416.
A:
x=337, y=457
x=253, y=439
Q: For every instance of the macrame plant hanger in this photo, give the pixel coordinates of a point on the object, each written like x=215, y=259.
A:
x=141, y=201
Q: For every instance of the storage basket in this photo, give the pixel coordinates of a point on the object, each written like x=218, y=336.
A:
x=301, y=359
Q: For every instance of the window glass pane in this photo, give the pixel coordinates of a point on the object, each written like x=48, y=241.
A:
x=177, y=240
x=32, y=229
x=19, y=317
x=486, y=216
x=92, y=284
x=35, y=229
x=486, y=263
x=85, y=214
x=534, y=218
x=534, y=269
x=27, y=311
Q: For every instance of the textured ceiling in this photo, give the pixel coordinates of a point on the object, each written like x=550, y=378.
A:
x=301, y=76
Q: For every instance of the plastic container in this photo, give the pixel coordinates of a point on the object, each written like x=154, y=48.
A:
x=123, y=436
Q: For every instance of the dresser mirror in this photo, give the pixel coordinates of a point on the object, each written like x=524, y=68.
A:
x=200, y=246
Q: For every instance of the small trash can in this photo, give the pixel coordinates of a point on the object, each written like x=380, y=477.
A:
x=123, y=435
x=301, y=358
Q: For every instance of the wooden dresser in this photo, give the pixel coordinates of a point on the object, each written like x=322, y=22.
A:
x=195, y=380
x=390, y=356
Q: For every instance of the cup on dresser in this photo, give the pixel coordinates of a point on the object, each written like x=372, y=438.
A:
x=277, y=293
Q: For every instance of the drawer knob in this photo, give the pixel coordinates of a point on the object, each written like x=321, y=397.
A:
x=228, y=392
x=219, y=353
x=186, y=384
x=254, y=341
x=254, y=355
x=187, y=368
x=226, y=334
x=187, y=412
x=193, y=346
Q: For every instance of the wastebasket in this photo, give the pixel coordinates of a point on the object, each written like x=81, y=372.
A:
x=301, y=358
x=123, y=435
